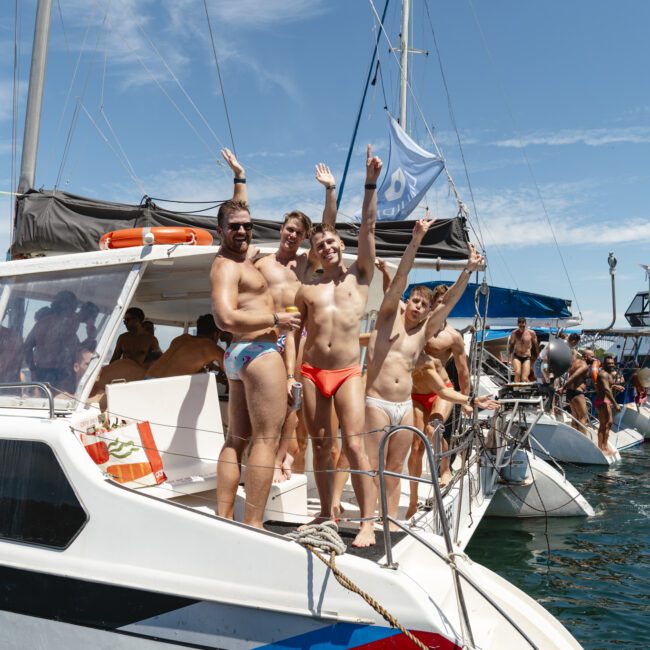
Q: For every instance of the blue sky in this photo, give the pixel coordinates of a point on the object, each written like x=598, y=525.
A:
x=550, y=100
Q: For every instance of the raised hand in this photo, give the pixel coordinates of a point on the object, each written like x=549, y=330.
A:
x=422, y=225
x=373, y=166
x=233, y=163
x=324, y=176
x=475, y=259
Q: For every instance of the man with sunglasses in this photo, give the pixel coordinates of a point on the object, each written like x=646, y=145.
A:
x=243, y=305
x=284, y=271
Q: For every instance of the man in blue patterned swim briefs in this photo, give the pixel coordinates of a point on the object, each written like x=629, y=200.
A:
x=242, y=304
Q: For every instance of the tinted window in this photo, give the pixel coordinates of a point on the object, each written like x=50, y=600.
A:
x=37, y=503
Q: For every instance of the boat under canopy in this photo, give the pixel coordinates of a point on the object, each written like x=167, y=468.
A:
x=57, y=222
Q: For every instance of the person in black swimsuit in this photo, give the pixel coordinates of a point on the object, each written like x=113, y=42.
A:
x=520, y=347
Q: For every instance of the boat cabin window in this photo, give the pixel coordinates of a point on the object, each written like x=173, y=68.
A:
x=50, y=324
x=37, y=503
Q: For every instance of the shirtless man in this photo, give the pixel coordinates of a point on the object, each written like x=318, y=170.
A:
x=520, y=346
x=189, y=354
x=429, y=408
x=243, y=305
x=136, y=343
x=401, y=333
x=605, y=401
x=574, y=389
x=332, y=307
x=51, y=346
x=284, y=272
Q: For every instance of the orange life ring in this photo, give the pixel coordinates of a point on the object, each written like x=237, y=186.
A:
x=160, y=235
x=595, y=369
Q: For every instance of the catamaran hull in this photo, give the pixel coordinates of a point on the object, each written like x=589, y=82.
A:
x=47, y=611
x=552, y=439
x=545, y=492
x=636, y=418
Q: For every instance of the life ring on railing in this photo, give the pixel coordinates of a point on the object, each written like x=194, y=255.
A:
x=160, y=235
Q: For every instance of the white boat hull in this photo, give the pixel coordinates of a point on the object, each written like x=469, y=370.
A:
x=546, y=492
x=551, y=438
x=636, y=418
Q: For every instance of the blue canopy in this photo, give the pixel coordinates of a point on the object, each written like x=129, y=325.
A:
x=506, y=303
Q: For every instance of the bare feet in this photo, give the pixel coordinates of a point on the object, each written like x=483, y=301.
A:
x=320, y=518
x=337, y=511
x=366, y=535
x=445, y=478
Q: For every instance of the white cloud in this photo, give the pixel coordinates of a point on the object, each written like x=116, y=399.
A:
x=253, y=14
x=516, y=218
x=589, y=137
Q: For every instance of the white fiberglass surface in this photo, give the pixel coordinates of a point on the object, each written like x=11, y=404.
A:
x=50, y=324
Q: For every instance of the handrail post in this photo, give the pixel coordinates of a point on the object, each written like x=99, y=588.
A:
x=441, y=512
x=34, y=384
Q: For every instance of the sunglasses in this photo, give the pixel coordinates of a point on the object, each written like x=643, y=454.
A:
x=234, y=227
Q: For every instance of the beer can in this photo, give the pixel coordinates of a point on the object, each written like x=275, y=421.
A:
x=296, y=396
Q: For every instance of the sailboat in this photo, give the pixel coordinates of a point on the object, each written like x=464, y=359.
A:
x=91, y=561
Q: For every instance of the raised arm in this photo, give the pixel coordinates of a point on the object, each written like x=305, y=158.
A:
x=366, y=254
x=325, y=177
x=392, y=298
x=442, y=311
x=240, y=193
x=224, y=278
x=460, y=361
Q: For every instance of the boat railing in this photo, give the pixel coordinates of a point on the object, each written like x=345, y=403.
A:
x=449, y=558
x=33, y=384
x=493, y=364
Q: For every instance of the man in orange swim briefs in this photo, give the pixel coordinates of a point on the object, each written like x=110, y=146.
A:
x=332, y=306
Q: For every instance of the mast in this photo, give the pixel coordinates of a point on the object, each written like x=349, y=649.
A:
x=404, y=51
x=35, y=96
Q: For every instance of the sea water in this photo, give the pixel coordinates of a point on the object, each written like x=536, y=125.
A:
x=593, y=573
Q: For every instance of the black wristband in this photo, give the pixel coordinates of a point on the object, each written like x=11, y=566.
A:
x=239, y=181
x=371, y=186
x=330, y=187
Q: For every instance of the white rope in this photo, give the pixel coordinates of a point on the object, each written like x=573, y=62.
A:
x=324, y=537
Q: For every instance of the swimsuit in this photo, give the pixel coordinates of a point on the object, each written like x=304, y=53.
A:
x=394, y=410
x=602, y=401
x=521, y=359
x=571, y=393
x=239, y=355
x=427, y=400
x=329, y=381
x=282, y=341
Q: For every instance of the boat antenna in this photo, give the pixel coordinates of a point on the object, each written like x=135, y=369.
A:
x=404, y=61
x=611, y=260
x=35, y=96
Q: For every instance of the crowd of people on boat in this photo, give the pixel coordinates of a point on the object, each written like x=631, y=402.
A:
x=590, y=384
x=297, y=315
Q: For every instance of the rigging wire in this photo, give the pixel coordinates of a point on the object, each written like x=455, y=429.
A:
x=14, y=115
x=363, y=100
x=127, y=164
x=462, y=152
x=524, y=154
x=75, y=115
x=216, y=61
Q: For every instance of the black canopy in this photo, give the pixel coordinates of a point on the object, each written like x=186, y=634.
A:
x=65, y=223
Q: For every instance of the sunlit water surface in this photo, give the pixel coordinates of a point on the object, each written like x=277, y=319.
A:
x=593, y=573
